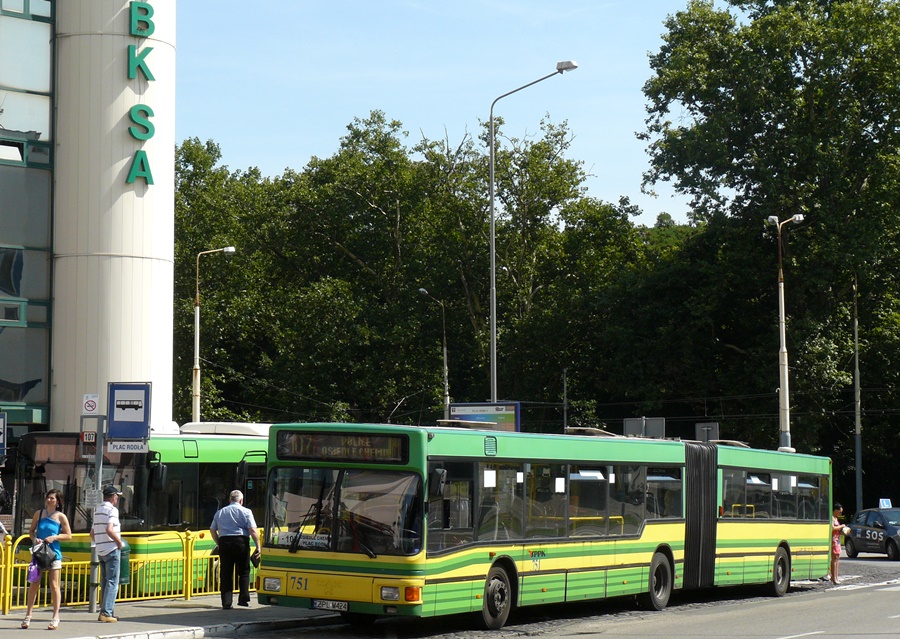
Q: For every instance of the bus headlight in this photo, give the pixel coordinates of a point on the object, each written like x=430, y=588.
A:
x=272, y=584
x=390, y=593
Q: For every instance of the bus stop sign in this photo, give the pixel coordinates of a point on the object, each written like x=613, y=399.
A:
x=129, y=410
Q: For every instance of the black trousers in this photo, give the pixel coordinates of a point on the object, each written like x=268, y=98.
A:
x=234, y=559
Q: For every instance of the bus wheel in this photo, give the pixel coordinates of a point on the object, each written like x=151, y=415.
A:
x=781, y=573
x=850, y=548
x=497, y=599
x=657, y=597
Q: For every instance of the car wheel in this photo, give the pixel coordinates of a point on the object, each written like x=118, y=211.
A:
x=892, y=551
x=850, y=548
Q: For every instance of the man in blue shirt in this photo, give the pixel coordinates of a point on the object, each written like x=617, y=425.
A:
x=231, y=528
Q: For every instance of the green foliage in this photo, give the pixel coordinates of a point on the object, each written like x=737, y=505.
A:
x=792, y=107
x=756, y=109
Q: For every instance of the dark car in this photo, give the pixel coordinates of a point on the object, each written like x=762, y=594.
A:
x=874, y=530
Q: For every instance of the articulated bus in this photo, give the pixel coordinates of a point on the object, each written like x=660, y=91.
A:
x=177, y=486
x=373, y=520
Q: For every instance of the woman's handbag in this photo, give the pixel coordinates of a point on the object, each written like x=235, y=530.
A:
x=34, y=573
x=43, y=555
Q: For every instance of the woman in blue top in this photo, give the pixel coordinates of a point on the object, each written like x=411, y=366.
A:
x=51, y=526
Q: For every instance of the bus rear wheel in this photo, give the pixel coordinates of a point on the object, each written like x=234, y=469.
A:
x=781, y=573
x=497, y=599
x=660, y=587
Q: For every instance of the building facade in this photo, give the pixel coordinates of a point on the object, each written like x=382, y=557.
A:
x=87, y=144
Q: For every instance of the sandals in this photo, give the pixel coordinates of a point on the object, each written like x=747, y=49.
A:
x=54, y=624
x=26, y=622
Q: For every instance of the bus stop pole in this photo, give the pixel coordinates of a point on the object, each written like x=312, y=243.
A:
x=98, y=485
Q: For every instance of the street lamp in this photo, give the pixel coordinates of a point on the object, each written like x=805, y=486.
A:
x=424, y=292
x=561, y=67
x=784, y=412
x=228, y=250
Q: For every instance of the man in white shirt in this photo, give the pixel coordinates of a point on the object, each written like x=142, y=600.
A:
x=106, y=535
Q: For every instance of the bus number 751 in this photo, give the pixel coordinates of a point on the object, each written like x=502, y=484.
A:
x=298, y=583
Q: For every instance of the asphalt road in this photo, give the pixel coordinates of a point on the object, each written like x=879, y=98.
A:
x=866, y=604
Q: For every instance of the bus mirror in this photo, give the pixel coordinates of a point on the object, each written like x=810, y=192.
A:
x=436, y=482
x=240, y=474
x=158, y=477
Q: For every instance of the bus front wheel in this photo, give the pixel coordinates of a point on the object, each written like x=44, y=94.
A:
x=497, y=599
x=781, y=573
x=657, y=597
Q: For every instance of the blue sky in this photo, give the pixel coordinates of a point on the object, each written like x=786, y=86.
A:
x=275, y=83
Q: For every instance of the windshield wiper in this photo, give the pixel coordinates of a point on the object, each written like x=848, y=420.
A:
x=356, y=537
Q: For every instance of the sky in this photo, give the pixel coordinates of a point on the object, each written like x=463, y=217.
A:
x=276, y=83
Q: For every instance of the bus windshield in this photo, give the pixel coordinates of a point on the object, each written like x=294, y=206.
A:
x=373, y=512
x=55, y=460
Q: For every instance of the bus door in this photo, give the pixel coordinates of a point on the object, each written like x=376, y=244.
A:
x=250, y=478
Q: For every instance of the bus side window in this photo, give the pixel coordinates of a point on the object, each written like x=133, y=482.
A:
x=664, y=492
x=501, y=489
x=450, y=509
x=627, y=498
x=587, y=501
x=733, y=489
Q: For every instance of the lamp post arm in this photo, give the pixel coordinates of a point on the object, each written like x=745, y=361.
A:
x=524, y=86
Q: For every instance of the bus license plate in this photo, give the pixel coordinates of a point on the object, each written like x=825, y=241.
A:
x=326, y=604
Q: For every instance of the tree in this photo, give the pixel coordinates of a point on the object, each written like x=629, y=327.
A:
x=794, y=107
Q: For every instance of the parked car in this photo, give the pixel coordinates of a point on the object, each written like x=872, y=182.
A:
x=874, y=530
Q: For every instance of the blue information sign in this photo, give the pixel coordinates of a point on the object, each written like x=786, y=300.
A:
x=129, y=410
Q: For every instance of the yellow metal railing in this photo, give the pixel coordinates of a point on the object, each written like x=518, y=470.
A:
x=160, y=566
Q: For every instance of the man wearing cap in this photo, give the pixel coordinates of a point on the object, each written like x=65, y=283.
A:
x=231, y=528
x=106, y=534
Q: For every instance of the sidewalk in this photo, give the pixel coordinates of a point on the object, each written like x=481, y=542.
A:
x=166, y=619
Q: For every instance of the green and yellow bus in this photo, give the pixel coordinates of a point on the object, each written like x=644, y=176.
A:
x=373, y=520
x=175, y=486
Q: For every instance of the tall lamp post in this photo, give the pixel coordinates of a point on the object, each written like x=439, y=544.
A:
x=857, y=402
x=195, y=413
x=561, y=67
x=784, y=411
x=424, y=292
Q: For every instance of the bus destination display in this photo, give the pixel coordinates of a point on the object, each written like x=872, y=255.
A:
x=345, y=447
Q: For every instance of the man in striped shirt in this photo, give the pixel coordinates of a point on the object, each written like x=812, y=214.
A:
x=106, y=535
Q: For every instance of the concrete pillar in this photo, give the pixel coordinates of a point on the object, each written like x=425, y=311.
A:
x=113, y=203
